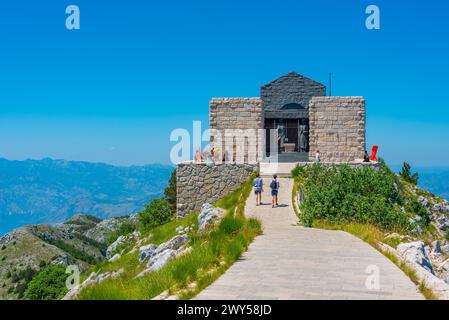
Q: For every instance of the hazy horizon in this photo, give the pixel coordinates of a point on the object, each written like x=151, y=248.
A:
x=114, y=90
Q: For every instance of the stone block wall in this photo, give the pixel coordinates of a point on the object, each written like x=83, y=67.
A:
x=236, y=126
x=337, y=128
x=198, y=183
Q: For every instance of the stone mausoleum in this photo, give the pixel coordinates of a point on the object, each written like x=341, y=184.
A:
x=287, y=124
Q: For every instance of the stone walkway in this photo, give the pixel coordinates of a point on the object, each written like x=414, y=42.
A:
x=292, y=262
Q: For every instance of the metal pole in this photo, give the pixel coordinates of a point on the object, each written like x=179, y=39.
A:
x=330, y=83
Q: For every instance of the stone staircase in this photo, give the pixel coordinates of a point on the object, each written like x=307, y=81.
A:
x=282, y=170
x=289, y=157
x=282, y=164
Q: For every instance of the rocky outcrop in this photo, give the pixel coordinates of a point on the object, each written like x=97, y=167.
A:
x=415, y=252
x=159, y=255
x=104, y=228
x=440, y=215
x=94, y=278
x=208, y=215
x=182, y=229
x=121, y=240
x=417, y=256
x=116, y=257
x=147, y=251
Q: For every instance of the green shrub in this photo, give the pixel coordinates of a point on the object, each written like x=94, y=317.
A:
x=170, y=192
x=91, y=242
x=407, y=175
x=156, y=213
x=344, y=194
x=49, y=284
x=418, y=209
x=72, y=250
x=298, y=172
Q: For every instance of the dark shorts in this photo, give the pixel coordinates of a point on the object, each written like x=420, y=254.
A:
x=274, y=193
x=257, y=191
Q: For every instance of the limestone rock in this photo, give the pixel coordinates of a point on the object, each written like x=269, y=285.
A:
x=114, y=245
x=440, y=214
x=174, y=243
x=159, y=260
x=180, y=230
x=151, y=250
x=445, y=248
x=443, y=271
x=208, y=215
x=416, y=257
x=116, y=257
x=62, y=260
x=436, y=247
x=423, y=201
x=94, y=278
x=147, y=251
x=442, y=222
x=441, y=207
x=415, y=252
x=160, y=255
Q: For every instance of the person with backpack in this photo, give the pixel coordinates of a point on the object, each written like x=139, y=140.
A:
x=258, y=188
x=274, y=185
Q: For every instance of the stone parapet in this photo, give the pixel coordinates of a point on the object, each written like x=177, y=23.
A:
x=198, y=183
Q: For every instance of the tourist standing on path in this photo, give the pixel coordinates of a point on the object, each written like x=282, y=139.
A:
x=258, y=188
x=366, y=157
x=274, y=185
x=317, y=157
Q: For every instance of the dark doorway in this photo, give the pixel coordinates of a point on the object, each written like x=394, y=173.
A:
x=291, y=135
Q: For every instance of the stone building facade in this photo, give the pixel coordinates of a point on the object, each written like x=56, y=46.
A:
x=337, y=128
x=290, y=121
x=236, y=129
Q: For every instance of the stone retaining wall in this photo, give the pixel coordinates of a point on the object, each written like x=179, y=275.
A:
x=198, y=183
x=337, y=128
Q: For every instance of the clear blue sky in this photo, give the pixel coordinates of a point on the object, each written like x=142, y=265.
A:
x=114, y=90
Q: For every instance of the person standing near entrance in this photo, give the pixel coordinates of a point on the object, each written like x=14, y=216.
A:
x=258, y=188
x=317, y=156
x=274, y=185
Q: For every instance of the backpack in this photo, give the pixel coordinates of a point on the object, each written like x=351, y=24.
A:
x=257, y=183
x=274, y=184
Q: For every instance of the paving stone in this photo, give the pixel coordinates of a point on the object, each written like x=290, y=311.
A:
x=292, y=262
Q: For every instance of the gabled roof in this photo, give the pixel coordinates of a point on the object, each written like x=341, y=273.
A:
x=291, y=75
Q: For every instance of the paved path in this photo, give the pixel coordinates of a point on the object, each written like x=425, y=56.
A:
x=292, y=262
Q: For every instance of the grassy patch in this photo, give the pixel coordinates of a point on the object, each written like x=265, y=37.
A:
x=212, y=253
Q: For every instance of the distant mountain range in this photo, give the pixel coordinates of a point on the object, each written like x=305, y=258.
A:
x=51, y=191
